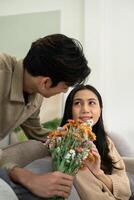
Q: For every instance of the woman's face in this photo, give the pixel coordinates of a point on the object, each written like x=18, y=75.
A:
x=86, y=106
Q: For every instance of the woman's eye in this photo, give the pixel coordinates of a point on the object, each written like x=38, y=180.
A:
x=92, y=103
x=77, y=103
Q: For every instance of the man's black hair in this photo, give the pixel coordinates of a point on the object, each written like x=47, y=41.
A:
x=59, y=57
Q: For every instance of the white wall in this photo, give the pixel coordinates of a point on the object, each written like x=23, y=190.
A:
x=72, y=17
x=109, y=46
x=107, y=32
x=72, y=12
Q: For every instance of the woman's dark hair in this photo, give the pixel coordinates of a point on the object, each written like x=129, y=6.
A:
x=101, y=135
x=59, y=57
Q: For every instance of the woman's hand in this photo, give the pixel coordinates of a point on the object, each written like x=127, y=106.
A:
x=94, y=164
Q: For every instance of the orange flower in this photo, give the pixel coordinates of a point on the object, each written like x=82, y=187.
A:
x=57, y=133
x=77, y=135
x=72, y=121
x=91, y=135
x=87, y=131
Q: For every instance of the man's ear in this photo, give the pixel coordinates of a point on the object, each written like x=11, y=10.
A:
x=45, y=82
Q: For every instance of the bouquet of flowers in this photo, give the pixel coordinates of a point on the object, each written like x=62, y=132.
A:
x=70, y=146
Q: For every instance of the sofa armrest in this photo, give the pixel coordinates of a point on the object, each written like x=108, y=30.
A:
x=129, y=163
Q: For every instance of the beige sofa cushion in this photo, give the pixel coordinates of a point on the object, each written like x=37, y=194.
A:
x=6, y=193
x=122, y=144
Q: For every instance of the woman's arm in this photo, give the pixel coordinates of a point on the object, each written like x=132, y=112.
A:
x=93, y=181
x=105, y=179
x=95, y=167
x=121, y=185
x=117, y=182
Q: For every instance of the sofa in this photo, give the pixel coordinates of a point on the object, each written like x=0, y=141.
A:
x=36, y=151
x=126, y=150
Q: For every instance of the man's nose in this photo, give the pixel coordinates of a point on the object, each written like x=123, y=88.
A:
x=65, y=90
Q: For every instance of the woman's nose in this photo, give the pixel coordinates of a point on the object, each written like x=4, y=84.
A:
x=85, y=108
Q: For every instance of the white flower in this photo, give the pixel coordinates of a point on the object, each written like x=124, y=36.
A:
x=68, y=161
x=85, y=155
x=58, y=149
x=60, y=128
x=67, y=156
x=90, y=122
x=51, y=145
x=85, y=137
x=58, y=139
x=72, y=152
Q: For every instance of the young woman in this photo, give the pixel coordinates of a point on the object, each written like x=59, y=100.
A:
x=105, y=177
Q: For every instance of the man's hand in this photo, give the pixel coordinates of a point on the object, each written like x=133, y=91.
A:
x=43, y=185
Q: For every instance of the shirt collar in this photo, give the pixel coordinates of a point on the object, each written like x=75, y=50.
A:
x=17, y=86
x=17, y=83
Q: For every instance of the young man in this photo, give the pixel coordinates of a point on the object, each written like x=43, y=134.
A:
x=52, y=64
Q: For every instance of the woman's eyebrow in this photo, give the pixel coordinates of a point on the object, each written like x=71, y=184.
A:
x=80, y=99
x=94, y=99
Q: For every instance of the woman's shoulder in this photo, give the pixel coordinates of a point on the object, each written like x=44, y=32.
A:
x=110, y=142
x=113, y=150
x=111, y=145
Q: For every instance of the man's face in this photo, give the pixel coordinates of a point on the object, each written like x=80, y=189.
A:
x=49, y=91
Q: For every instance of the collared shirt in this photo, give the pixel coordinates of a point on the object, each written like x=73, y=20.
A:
x=13, y=110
